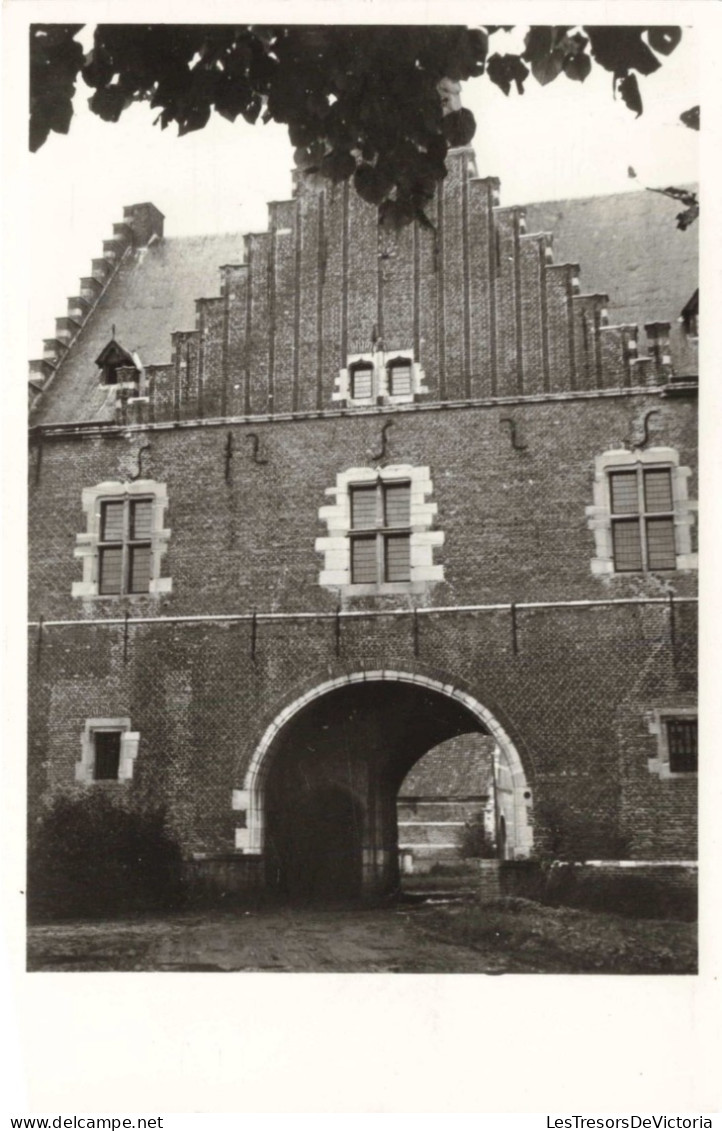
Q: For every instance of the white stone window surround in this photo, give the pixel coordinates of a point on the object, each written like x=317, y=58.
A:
x=379, y=359
x=129, y=740
x=599, y=514
x=656, y=724
x=86, y=543
x=336, y=546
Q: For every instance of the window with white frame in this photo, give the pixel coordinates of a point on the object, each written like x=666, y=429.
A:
x=125, y=540
x=108, y=749
x=642, y=517
x=641, y=511
x=380, y=377
x=379, y=532
x=676, y=733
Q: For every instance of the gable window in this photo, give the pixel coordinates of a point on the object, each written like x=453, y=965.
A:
x=642, y=517
x=124, y=549
x=380, y=378
x=676, y=733
x=362, y=376
x=399, y=376
x=108, y=749
x=380, y=532
x=380, y=538
x=123, y=546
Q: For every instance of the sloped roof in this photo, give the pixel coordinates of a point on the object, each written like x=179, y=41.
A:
x=628, y=246
x=459, y=767
x=152, y=293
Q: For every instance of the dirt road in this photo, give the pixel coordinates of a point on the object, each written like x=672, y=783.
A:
x=393, y=940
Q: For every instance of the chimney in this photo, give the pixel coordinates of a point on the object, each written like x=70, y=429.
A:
x=145, y=220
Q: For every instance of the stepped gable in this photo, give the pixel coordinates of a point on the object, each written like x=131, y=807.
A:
x=151, y=294
x=629, y=245
x=458, y=768
x=486, y=305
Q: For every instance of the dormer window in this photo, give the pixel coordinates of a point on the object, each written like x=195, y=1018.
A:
x=690, y=317
x=117, y=366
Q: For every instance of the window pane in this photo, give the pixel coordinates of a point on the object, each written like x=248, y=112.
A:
x=363, y=560
x=111, y=570
x=141, y=518
x=139, y=569
x=682, y=745
x=400, y=379
x=660, y=543
x=398, y=566
x=397, y=500
x=658, y=490
x=107, y=755
x=112, y=522
x=363, y=507
x=625, y=499
x=361, y=382
x=627, y=545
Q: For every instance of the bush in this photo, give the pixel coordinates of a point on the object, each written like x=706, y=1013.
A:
x=632, y=894
x=90, y=856
x=475, y=842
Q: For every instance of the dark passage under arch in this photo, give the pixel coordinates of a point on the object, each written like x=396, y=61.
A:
x=315, y=851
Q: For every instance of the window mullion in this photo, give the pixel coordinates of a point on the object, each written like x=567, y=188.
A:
x=125, y=571
x=380, y=541
x=642, y=518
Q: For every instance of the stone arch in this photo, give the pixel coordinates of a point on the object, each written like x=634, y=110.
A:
x=249, y=800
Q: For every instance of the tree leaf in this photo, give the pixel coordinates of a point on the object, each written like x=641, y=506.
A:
x=459, y=127
x=629, y=89
x=577, y=67
x=503, y=70
x=664, y=39
x=690, y=118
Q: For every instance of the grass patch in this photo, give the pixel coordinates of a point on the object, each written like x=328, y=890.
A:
x=544, y=939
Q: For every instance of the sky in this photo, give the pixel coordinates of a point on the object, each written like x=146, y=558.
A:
x=562, y=140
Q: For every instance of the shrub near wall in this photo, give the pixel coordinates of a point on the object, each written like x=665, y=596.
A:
x=88, y=856
x=646, y=892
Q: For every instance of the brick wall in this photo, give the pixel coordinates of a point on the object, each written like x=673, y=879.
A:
x=514, y=520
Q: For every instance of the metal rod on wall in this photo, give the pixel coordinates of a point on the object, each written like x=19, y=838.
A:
x=254, y=635
x=125, y=638
x=514, y=633
x=338, y=631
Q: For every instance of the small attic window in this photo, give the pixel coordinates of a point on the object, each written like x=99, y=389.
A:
x=117, y=366
x=690, y=316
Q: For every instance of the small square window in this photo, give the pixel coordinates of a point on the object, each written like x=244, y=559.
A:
x=682, y=745
x=107, y=755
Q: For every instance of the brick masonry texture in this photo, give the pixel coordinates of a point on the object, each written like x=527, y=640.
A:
x=573, y=697
x=487, y=315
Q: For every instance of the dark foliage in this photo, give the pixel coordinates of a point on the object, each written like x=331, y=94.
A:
x=475, y=842
x=576, y=836
x=361, y=102
x=639, y=896
x=88, y=856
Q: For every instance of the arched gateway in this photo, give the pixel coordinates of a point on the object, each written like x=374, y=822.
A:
x=319, y=797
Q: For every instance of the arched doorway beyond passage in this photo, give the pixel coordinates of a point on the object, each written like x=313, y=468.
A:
x=334, y=759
